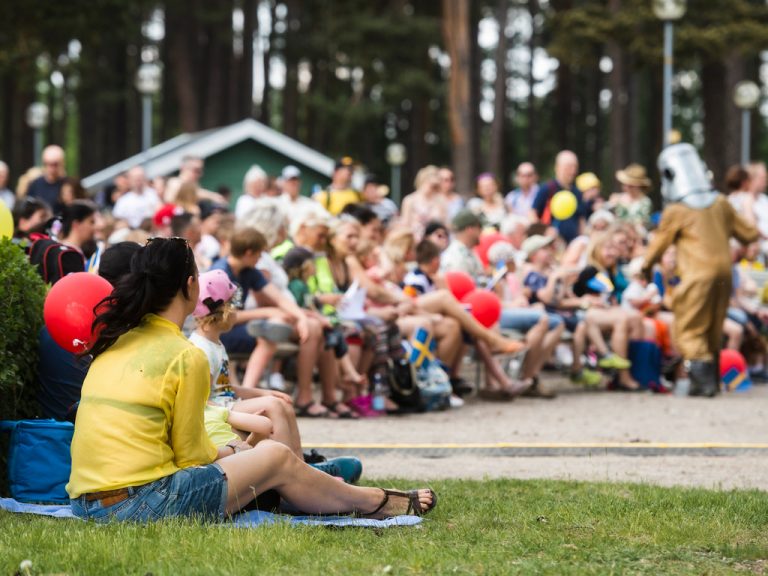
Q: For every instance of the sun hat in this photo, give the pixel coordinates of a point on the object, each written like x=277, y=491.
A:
x=634, y=175
x=215, y=289
x=536, y=242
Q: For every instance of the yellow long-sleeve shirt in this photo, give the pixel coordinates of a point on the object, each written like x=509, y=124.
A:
x=141, y=412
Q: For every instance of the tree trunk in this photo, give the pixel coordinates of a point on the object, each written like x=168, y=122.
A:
x=619, y=131
x=496, y=154
x=457, y=37
x=182, y=35
x=714, y=95
x=266, y=104
x=730, y=150
x=291, y=91
x=533, y=8
x=245, y=70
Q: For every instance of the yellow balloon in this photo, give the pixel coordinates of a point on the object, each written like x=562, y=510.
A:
x=6, y=221
x=563, y=205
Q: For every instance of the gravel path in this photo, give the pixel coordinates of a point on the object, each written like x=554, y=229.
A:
x=578, y=417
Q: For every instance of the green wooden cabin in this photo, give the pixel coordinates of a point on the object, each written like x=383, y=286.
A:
x=228, y=152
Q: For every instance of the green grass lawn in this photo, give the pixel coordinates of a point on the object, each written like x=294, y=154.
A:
x=490, y=527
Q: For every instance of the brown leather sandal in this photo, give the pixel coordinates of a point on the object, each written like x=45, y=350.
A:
x=414, y=505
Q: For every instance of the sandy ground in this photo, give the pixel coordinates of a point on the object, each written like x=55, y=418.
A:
x=575, y=416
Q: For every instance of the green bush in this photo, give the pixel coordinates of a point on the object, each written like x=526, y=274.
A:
x=22, y=293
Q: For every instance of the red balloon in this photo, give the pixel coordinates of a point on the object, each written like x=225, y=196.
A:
x=68, y=310
x=486, y=241
x=485, y=306
x=459, y=283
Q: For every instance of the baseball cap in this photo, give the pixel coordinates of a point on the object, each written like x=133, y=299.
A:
x=344, y=162
x=165, y=213
x=465, y=219
x=215, y=289
x=536, y=242
x=290, y=172
x=295, y=258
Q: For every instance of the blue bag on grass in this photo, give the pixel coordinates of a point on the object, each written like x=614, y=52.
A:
x=39, y=460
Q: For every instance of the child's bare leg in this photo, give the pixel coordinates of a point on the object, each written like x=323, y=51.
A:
x=258, y=362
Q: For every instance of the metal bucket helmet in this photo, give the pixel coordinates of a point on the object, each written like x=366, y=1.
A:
x=684, y=177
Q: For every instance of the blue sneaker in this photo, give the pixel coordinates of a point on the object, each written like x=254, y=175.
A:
x=348, y=468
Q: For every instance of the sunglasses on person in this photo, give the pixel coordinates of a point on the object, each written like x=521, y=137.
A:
x=176, y=239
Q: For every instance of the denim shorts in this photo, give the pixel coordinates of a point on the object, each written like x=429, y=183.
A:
x=523, y=319
x=198, y=491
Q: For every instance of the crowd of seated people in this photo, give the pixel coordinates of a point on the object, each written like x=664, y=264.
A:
x=572, y=295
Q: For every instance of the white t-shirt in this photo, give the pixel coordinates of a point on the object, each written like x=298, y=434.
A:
x=291, y=206
x=244, y=205
x=277, y=274
x=134, y=207
x=218, y=361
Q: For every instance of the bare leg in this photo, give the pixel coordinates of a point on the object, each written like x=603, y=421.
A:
x=734, y=332
x=284, y=427
x=258, y=362
x=593, y=332
x=443, y=302
x=579, y=345
x=549, y=343
x=271, y=465
x=449, y=344
x=494, y=373
x=306, y=361
x=534, y=339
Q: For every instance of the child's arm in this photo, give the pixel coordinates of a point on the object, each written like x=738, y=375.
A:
x=259, y=425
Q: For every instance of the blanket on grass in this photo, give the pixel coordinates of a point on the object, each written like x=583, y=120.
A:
x=244, y=520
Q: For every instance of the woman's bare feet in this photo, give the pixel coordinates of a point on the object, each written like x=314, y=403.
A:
x=506, y=346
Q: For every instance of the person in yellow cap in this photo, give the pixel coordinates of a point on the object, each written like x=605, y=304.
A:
x=340, y=192
x=590, y=187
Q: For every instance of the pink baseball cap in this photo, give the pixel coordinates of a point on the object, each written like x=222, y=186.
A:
x=215, y=289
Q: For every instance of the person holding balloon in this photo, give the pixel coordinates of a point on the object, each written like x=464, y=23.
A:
x=559, y=203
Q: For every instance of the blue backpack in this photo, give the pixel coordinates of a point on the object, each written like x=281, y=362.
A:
x=39, y=461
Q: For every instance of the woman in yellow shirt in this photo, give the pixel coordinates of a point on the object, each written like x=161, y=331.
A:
x=140, y=451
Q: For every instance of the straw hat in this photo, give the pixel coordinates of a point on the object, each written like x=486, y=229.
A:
x=634, y=175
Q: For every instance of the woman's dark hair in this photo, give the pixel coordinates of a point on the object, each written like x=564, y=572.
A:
x=78, y=211
x=735, y=178
x=25, y=208
x=116, y=261
x=433, y=226
x=361, y=213
x=158, y=271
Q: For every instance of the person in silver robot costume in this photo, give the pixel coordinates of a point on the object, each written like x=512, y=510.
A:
x=699, y=221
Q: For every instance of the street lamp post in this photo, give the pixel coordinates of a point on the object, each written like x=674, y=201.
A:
x=396, y=156
x=746, y=95
x=148, y=84
x=668, y=11
x=37, y=119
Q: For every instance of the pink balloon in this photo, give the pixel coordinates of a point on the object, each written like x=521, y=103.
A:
x=68, y=310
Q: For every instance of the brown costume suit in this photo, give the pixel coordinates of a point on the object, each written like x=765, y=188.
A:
x=704, y=265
